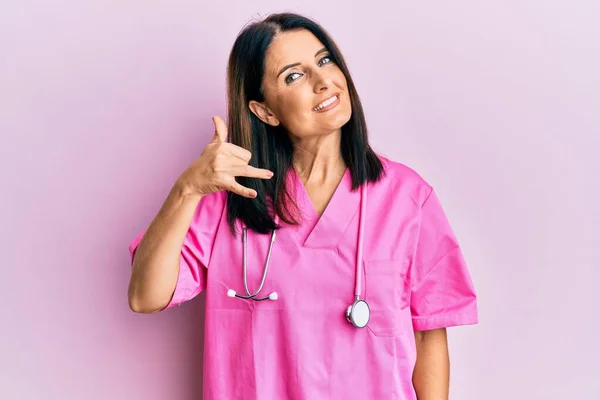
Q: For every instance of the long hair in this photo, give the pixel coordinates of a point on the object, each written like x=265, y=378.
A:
x=271, y=147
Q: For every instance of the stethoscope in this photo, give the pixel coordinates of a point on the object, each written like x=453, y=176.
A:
x=357, y=313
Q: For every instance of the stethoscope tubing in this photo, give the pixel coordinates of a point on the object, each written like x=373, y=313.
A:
x=359, y=245
x=265, y=268
x=273, y=296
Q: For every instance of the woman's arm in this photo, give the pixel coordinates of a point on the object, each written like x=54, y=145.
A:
x=431, y=377
x=156, y=262
x=157, y=257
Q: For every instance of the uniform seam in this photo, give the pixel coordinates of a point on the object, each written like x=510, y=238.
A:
x=441, y=315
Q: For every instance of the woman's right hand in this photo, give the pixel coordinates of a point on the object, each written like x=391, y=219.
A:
x=218, y=165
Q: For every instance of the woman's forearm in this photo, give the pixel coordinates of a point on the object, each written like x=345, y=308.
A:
x=431, y=377
x=156, y=262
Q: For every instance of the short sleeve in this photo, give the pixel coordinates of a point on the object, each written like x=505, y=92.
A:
x=442, y=293
x=196, y=249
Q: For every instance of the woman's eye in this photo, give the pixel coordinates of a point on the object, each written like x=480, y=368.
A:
x=325, y=60
x=292, y=77
x=296, y=75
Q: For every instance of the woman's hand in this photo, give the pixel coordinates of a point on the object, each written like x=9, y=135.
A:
x=218, y=165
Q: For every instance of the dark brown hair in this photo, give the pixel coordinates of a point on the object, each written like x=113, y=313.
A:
x=271, y=147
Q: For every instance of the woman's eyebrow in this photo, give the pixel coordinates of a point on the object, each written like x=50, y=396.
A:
x=282, y=70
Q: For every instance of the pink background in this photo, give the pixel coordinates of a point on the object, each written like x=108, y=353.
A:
x=104, y=103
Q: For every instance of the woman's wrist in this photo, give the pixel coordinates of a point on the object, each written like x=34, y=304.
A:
x=184, y=190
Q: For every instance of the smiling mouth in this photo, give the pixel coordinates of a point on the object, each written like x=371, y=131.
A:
x=328, y=104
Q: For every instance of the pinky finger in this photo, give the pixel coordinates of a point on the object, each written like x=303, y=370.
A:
x=242, y=190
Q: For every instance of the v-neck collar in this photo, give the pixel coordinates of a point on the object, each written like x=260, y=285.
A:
x=325, y=231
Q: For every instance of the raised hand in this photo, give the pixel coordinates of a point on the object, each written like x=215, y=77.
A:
x=219, y=164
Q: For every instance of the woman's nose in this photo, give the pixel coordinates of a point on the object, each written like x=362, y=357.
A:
x=322, y=81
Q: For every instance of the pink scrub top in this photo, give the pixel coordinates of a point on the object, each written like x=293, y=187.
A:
x=301, y=346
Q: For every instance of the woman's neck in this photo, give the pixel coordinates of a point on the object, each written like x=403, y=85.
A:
x=319, y=160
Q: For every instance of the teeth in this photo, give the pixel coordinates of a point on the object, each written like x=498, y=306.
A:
x=325, y=103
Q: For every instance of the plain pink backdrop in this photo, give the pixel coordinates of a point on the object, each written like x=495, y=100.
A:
x=104, y=103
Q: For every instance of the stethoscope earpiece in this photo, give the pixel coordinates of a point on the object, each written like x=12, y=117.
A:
x=272, y=296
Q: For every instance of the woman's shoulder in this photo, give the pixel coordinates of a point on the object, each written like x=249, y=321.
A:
x=214, y=199
x=402, y=179
x=210, y=207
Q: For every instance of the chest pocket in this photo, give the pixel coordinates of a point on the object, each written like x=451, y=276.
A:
x=387, y=293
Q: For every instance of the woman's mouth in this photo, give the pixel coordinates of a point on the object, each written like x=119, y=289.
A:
x=328, y=104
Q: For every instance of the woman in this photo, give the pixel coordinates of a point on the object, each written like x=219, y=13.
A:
x=364, y=273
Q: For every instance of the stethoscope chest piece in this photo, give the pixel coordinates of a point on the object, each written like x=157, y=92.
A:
x=358, y=313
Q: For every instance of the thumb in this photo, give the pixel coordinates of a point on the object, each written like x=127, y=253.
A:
x=220, y=129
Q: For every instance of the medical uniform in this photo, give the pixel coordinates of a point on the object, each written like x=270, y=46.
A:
x=301, y=346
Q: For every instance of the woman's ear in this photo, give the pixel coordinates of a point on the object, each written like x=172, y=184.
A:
x=263, y=113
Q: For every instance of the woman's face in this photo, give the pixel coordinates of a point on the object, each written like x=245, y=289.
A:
x=304, y=89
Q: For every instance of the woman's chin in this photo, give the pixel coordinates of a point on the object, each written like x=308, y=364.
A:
x=339, y=121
